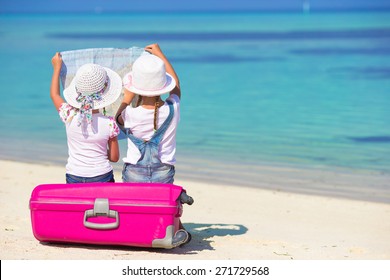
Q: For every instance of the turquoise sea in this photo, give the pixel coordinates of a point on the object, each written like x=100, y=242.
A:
x=293, y=89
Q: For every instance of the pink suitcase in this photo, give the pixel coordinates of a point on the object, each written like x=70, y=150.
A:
x=130, y=214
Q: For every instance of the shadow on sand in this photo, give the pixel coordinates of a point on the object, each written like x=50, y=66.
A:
x=202, y=235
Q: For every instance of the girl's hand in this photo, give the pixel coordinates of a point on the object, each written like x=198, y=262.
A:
x=56, y=61
x=154, y=49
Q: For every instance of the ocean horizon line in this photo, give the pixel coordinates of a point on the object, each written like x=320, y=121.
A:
x=200, y=11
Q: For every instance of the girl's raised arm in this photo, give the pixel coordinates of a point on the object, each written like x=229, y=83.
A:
x=55, y=94
x=156, y=50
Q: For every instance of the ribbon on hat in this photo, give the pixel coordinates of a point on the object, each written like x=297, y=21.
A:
x=87, y=104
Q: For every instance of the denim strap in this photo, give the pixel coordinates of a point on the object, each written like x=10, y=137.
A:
x=157, y=136
x=149, y=149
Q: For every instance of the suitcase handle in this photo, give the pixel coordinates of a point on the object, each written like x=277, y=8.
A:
x=101, y=208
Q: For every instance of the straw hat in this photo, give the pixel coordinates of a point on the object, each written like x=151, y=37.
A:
x=99, y=84
x=149, y=77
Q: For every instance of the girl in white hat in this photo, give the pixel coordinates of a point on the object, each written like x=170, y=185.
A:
x=151, y=125
x=92, y=136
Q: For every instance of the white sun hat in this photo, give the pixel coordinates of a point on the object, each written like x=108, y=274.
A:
x=102, y=85
x=149, y=77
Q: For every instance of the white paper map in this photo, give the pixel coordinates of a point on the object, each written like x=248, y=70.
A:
x=119, y=60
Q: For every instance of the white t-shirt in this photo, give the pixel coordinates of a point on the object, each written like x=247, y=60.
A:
x=140, y=122
x=87, y=144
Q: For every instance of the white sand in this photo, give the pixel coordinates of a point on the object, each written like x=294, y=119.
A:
x=227, y=222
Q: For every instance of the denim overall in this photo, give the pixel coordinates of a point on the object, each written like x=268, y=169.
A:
x=149, y=168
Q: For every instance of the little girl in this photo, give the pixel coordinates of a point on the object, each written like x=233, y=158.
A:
x=151, y=125
x=92, y=136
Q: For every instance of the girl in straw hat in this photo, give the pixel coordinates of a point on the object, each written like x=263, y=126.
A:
x=92, y=136
x=151, y=125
